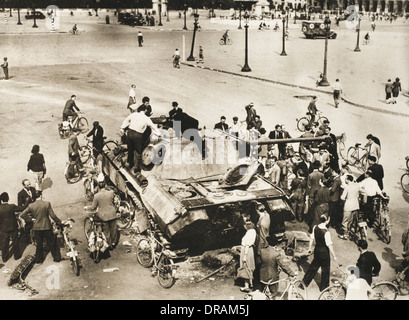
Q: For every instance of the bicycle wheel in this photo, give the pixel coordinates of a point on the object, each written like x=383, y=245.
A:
x=72, y=173
x=144, y=253
x=384, y=291
x=341, y=150
x=321, y=120
x=88, y=224
x=124, y=215
x=109, y=146
x=298, y=291
x=221, y=42
x=89, y=195
x=351, y=156
x=85, y=154
x=407, y=163
x=302, y=123
x=82, y=124
x=404, y=182
x=383, y=229
x=229, y=41
x=166, y=276
x=333, y=293
x=75, y=266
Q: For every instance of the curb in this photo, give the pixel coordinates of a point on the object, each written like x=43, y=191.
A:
x=395, y=113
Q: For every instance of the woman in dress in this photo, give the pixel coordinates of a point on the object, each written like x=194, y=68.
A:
x=37, y=166
x=247, y=264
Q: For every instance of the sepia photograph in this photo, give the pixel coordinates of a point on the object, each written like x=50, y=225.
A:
x=204, y=154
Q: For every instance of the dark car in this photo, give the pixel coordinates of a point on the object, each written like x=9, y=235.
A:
x=38, y=15
x=130, y=19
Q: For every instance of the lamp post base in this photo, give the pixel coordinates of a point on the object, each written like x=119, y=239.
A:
x=324, y=83
x=191, y=58
x=357, y=49
x=246, y=68
x=283, y=53
x=184, y=28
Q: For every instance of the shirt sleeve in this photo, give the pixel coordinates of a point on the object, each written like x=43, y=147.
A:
x=249, y=238
x=328, y=239
x=126, y=122
x=52, y=214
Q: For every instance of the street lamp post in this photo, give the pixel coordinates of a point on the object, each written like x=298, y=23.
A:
x=191, y=57
x=160, y=13
x=357, y=36
x=288, y=16
x=283, y=53
x=18, y=12
x=34, y=13
x=324, y=82
x=167, y=11
x=246, y=67
x=10, y=10
x=184, y=13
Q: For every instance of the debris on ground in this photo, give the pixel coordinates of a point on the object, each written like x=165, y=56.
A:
x=111, y=269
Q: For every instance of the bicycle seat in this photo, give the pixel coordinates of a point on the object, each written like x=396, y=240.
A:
x=357, y=145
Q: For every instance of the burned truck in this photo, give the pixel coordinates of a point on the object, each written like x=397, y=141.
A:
x=198, y=204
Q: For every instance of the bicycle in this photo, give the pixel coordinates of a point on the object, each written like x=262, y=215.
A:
x=97, y=242
x=90, y=185
x=153, y=251
x=72, y=172
x=358, y=229
x=307, y=121
x=69, y=244
x=228, y=41
x=86, y=150
x=382, y=226
x=366, y=42
x=355, y=159
x=125, y=212
x=294, y=290
x=77, y=122
x=404, y=179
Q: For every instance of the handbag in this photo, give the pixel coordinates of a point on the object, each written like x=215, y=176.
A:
x=243, y=272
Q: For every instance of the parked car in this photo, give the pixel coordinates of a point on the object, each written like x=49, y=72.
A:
x=316, y=29
x=37, y=14
x=130, y=19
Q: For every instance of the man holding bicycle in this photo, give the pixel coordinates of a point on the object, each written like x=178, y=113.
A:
x=312, y=108
x=70, y=109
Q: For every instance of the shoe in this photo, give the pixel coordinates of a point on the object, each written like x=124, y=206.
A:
x=244, y=289
x=343, y=237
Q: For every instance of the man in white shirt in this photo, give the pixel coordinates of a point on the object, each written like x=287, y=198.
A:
x=369, y=188
x=337, y=87
x=136, y=124
x=132, y=96
x=357, y=288
x=351, y=197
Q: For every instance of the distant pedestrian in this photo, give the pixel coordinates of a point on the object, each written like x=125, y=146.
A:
x=5, y=67
x=251, y=114
x=132, y=96
x=388, y=91
x=140, y=39
x=337, y=87
x=201, y=57
x=37, y=165
x=396, y=87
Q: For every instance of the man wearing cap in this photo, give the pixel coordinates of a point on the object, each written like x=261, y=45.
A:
x=97, y=133
x=136, y=124
x=369, y=188
x=251, y=115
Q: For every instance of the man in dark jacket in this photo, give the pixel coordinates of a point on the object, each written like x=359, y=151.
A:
x=222, y=125
x=41, y=211
x=377, y=171
x=26, y=196
x=97, y=134
x=69, y=109
x=8, y=227
x=367, y=263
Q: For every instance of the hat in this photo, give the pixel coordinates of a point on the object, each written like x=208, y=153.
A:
x=326, y=121
x=174, y=104
x=235, y=119
x=133, y=107
x=251, y=104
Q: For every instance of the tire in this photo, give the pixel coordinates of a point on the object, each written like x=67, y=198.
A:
x=351, y=156
x=383, y=230
x=333, y=293
x=302, y=123
x=407, y=163
x=166, y=271
x=109, y=145
x=322, y=119
x=124, y=218
x=96, y=256
x=229, y=41
x=298, y=291
x=404, y=182
x=87, y=227
x=73, y=179
x=384, y=291
x=85, y=154
x=341, y=150
x=221, y=42
x=89, y=195
x=144, y=253
x=76, y=266
x=82, y=124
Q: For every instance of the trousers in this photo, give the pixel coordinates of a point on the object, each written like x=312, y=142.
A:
x=135, y=145
x=49, y=238
x=321, y=260
x=5, y=238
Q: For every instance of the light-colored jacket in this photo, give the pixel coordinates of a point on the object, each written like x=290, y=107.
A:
x=351, y=196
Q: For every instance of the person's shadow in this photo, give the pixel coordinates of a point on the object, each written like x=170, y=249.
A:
x=47, y=183
x=391, y=258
